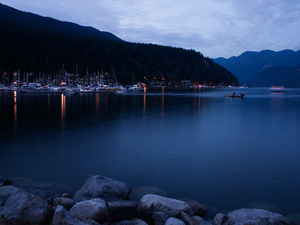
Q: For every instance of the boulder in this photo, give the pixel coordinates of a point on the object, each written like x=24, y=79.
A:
x=21, y=207
x=190, y=220
x=95, y=209
x=198, y=209
x=134, y=221
x=254, y=217
x=63, y=217
x=103, y=187
x=67, y=203
x=160, y=218
x=219, y=219
x=122, y=210
x=7, y=191
x=154, y=203
x=174, y=221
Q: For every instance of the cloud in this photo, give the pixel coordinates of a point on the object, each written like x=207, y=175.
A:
x=216, y=27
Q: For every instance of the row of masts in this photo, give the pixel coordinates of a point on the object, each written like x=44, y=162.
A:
x=61, y=78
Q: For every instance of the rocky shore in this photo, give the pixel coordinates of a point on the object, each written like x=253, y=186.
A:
x=103, y=200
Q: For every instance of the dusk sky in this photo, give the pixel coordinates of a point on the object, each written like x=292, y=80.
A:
x=216, y=28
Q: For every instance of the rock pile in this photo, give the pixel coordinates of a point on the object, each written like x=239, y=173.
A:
x=103, y=200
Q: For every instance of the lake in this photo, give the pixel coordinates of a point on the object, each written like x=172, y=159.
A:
x=182, y=143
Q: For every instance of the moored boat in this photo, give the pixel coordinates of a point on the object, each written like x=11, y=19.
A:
x=233, y=95
x=276, y=89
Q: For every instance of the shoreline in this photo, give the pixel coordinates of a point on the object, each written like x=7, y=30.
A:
x=109, y=195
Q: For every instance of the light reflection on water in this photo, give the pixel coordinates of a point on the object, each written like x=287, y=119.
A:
x=225, y=152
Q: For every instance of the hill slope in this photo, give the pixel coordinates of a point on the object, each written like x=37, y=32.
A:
x=10, y=14
x=276, y=76
x=30, y=45
x=250, y=63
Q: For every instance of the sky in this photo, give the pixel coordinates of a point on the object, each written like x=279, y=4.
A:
x=216, y=28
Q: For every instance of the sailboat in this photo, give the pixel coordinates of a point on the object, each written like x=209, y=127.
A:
x=101, y=85
x=136, y=87
x=113, y=87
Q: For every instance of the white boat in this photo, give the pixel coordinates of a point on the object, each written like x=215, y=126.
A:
x=60, y=88
x=14, y=88
x=85, y=90
x=276, y=89
x=76, y=88
x=136, y=87
x=122, y=89
x=4, y=88
x=31, y=87
x=101, y=88
x=69, y=91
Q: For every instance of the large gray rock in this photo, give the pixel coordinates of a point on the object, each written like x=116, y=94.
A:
x=160, y=218
x=21, y=207
x=103, y=187
x=67, y=203
x=95, y=209
x=154, y=203
x=174, y=221
x=122, y=210
x=219, y=219
x=7, y=191
x=198, y=209
x=190, y=220
x=63, y=217
x=253, y=217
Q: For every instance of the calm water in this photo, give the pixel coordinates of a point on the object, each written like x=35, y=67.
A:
x=229, y=153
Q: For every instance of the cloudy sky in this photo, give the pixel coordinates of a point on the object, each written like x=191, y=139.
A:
x=216, y=28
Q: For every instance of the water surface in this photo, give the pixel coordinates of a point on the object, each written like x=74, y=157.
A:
x=229, y=153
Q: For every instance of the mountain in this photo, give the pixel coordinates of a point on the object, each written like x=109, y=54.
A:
x=9, y=15
x=39, y=45
x=286, y=76
x=251, y=63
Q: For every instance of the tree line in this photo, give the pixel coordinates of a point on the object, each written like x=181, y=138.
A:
x=38, y=50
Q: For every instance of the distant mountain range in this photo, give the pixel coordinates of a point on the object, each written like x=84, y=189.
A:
x=265, y=68
x=42, y=45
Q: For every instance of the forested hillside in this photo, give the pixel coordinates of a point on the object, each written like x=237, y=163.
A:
x=286, y=76
x=39, y=49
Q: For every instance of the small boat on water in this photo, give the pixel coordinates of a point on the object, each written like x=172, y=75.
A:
x=276, y=89
x=233, y=95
